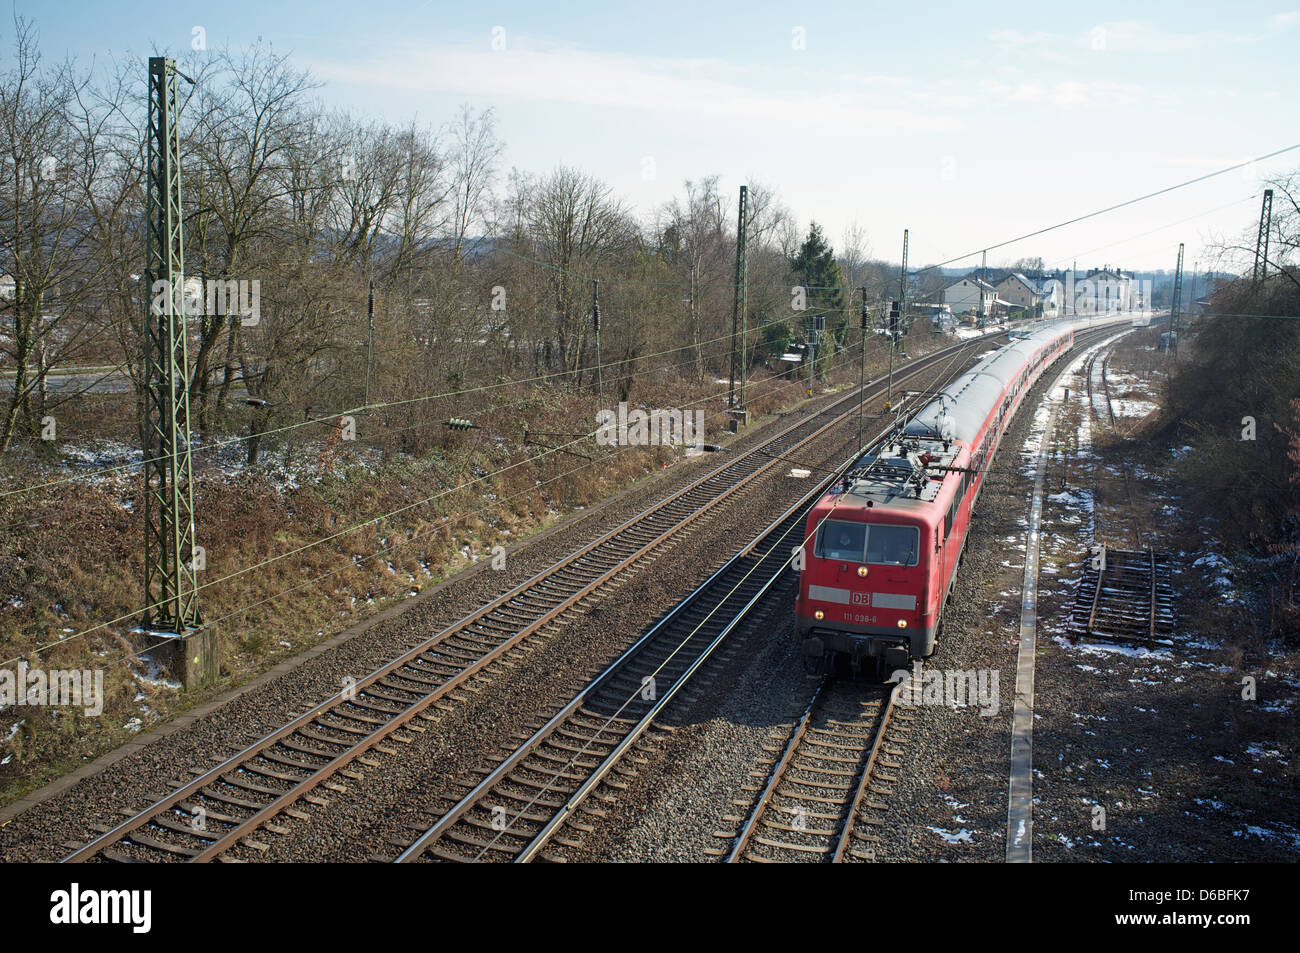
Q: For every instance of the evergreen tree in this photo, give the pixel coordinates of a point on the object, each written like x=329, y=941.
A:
x=816, y=270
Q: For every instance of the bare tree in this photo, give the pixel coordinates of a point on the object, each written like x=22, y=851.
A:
x=855, y=249
x=694, y=238
x=575, y=225
x=245, y=115
x=421, y=207
x=474, y=151
x=50, y=166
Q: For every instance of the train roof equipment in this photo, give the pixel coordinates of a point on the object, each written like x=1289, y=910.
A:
x=907, y=469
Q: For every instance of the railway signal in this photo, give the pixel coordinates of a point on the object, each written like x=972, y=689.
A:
x=814, y=344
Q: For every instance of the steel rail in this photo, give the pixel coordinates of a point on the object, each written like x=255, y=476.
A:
x=848, y=810
x=421, y=844
x=1100, y=559
x=864, y=782
x=746, y=832
x=320, y=773
x=504, y=771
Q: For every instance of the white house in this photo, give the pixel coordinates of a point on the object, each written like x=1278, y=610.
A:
x=1108, y=288
x=970, y=294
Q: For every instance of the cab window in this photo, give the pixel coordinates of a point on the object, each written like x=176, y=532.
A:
x=893, y=545
x=879, y=544
x=838, y=539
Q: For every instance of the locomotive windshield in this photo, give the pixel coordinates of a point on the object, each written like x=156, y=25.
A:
x=879, y=544
x=840, y=540
x=893, y=545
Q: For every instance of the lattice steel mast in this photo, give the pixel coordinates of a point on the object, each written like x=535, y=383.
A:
x=1261, y=241
x=169, y=571
x=902, y=282
x=1176, y=302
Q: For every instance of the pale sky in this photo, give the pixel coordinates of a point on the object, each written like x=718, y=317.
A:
x=967, y=123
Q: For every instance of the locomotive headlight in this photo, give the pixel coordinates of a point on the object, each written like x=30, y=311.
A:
x=862, y=570
x=819, y=615
x=902, y=623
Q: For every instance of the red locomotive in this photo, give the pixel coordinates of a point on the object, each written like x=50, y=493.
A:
x=881, y=548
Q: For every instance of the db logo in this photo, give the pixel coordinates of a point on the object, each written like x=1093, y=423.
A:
x=861, y=598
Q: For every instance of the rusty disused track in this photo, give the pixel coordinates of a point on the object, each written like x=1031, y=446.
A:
x=1134, y=529
x=1105, y=387
x=206, y=817
x=1124, y=595
x=808, y=810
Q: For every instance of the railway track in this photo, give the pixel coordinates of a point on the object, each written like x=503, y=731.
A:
x=1124, y=595
x=539, y=787
x=516, y=810
x=204, y=818
x=817, y=790
x=1105, y=386
x=1105, y=389
x=1091, y=372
